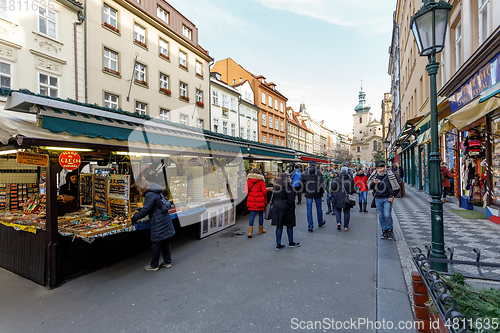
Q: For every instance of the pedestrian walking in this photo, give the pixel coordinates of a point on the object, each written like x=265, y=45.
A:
x=446, y=175
x=156, y=207
x=342, y=186
x=256, y=192
x=330, y=195
x=295, y=177
x=361, y=181
x=312, y=184
x=385, y=187
x=284, y=210
x=400, y=174
x=327, y=178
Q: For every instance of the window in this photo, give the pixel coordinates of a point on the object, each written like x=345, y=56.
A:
x=5, y=75
x=183, y=89
x=276, y=104
x=270, y=121
x=264, y=139
x=254, y=136
x=163, y=81
x=233, y=104
x=46, y=21
x=199, y=95
x=183, y=119
x=358, y=149
x=199, y=69
x=216, y=125
x=263, y=98
x=215, y=97
x=458, y=45
x=242, y=131
x=110, y=17
x=248, y=112
x=163, y=48
x=224, y=100
x=199, y=123
x=443, y=74
x=248, y=134
x=276, y=124
x=281, y=106
x=375, y=145
x=360, y=120
x=263, y=120
x=242, y=110
x=141, y=108
x=110, y=60
x=270, y=102
x=182, y=59
x=254, y=115
x=110, y=101
x=139, y=34
x=162, y=14
x=483, y=20
x=233, y=129
x=224, y=127
x=271, y=140
x=282, y=143
x=48, y=85
x=164, y=114
x=186, y=32
x=282, y=126
x=140, y=73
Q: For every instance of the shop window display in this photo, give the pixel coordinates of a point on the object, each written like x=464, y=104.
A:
x=474, y=165
x=496, y=160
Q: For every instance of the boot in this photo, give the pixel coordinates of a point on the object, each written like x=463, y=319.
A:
x=329, y=209
x=250, y=230
x=261, y=229
x=364, y=207
x=360, y=207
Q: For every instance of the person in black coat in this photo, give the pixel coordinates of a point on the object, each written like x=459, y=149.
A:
x=162, y=227
x=341, y=186
x=313, y=186
x=284, y=209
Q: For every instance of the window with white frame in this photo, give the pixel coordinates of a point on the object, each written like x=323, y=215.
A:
x=199, y=68
x=233, y=129
x=164, y=114
x=233, y=104
x=5, y=75
x=183, y=119
x=163, y=81
x=270, y=102
x=224, y=100
x=215, y=97
x=163, y=48
x=281, y=106
x=282, y=126
x=183, y=89
x=141, y=108
x=224, y=127
x=271, y=140
x=276, y=124
x=276, y=104
x=199, y=95
x=264, y=139
x=254, y=136
x=162, y=14
x=140, y=72
x=216, y=125
x=48, y=85
x=110, y=60
x=139, y=34
x=458, y=45
x=263, y=120
x=183, y=59
x=47, y=21
x=254, y=115
x=242, y=131
x=248, y=134
x=187, y=32
x=248, y=112
x=110, y=16
x=199, y=123
x=282, y=143
x=270, y=121
x=484, y=18
x=110, y=101
x=263, y=98
x=242, y=110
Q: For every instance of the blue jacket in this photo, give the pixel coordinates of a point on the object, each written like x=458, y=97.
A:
x=295, y=177
x=160, y=221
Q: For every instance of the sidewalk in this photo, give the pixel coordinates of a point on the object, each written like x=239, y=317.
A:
x=464, y=235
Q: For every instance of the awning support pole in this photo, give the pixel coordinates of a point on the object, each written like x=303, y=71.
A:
x=53, y=267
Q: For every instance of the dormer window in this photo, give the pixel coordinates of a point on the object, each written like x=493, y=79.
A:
x=187, y=32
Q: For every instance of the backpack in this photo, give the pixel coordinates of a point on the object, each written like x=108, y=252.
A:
x=165, y=204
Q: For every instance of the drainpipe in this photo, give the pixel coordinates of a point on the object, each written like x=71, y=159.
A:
x=81, y=17
x=210, y=64
x=85, y=52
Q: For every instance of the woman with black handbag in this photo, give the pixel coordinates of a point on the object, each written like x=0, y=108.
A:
x=343, y=186
x=284, y=209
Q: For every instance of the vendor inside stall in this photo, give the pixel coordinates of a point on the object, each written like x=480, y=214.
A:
x=68, y=194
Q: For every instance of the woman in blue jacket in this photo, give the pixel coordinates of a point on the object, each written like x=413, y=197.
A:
x=162, y=227
x=295, y=177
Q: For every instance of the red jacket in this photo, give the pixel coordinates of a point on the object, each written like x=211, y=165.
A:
x=447, y=175
x=257, y=198
x=361, y=182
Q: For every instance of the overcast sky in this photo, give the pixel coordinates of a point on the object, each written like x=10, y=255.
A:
x=315, y=51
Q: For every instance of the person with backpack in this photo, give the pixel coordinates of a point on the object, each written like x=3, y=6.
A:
x=156, y=207
x=446, y=175
x=361, y=182
x=342, y=186
x=312, y=184
x=296, y=183
x=256, y=192
x=284, y=210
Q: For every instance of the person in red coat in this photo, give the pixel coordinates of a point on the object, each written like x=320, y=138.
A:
x=361, y=182
x=256, y=192
x=446, y=175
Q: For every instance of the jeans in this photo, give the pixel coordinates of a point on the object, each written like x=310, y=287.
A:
x=347, y=216
x=363, y=196
x=298, y=192
x=446, y=191
x=279, y=232
x=252, y=217
x=164, y=247
x=384, y=208
x=319, y=210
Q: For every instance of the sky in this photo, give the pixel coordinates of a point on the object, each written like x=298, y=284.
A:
x=315, y=51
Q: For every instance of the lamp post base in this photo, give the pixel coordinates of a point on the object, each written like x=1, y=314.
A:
x=437, y=249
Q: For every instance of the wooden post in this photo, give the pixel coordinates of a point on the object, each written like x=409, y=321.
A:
x=53, y=269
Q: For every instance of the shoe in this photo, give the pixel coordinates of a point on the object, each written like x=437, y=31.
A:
x=279, y=246
x=364, y=207
x=250, y=230
x=346, y=229
x=322, y=224
x=261, y=230
x=339, y=227
x=329, y=211
x=293, y=244
x=384, y=234
x=310, y=230
x=149, y=268
x=390, y=234
x=360, y=207
x=166, y=265
x=444, y=200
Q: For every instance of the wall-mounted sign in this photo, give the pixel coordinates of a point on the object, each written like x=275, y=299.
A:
x=40, y=160
x=70, y=160
x=225, y=113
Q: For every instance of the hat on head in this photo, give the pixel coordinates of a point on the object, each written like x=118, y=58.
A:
x=379, y=164
x=443, y=164
x=344, y=169
x=311, y=162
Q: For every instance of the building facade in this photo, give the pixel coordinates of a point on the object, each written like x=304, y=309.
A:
x=314, y=127
x=271, y=102
x=394, y=70
x=224, y=107
x=386, y=116
x=248, y=112
x=299, y=137
x=144, y=57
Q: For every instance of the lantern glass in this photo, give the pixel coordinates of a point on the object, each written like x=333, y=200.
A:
x=423, y=25
x=441, y=21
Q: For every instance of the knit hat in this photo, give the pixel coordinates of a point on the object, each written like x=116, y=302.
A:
x=380, y=164
x=311, y=162
x=344, y=169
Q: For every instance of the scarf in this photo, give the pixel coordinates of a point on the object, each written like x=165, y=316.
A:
x=392, y=179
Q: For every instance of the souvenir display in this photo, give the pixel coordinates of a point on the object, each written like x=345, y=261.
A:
x=474, y=166
x=100, y=187
x=119, y=196
x=178, y=189
x=86, y=189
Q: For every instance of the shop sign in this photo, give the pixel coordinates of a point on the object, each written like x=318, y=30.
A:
x=482, y=80
x=225, y=113
x=70, y=160
x=24, y=157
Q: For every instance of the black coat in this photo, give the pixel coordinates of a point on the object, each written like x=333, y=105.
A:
x=312, y=182
x=284, y=207
x=161, y=222
x=340, y=194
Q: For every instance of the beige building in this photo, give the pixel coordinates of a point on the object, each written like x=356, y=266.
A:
x=299, y=137
x=386, y=116
x=37, y=49
x=144, y=57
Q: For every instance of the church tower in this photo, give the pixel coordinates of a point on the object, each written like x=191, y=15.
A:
x=362, y=117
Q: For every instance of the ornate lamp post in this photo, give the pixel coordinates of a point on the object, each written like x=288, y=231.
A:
x=429, y=29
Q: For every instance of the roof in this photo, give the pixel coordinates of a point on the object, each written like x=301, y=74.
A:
x=294, y=119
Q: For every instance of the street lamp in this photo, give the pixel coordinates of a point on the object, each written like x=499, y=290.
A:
x=386, y=146
x=429, y=29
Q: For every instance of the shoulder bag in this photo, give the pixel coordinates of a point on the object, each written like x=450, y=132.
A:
x=350, y=199
x=268, y=211
x=373, y=205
